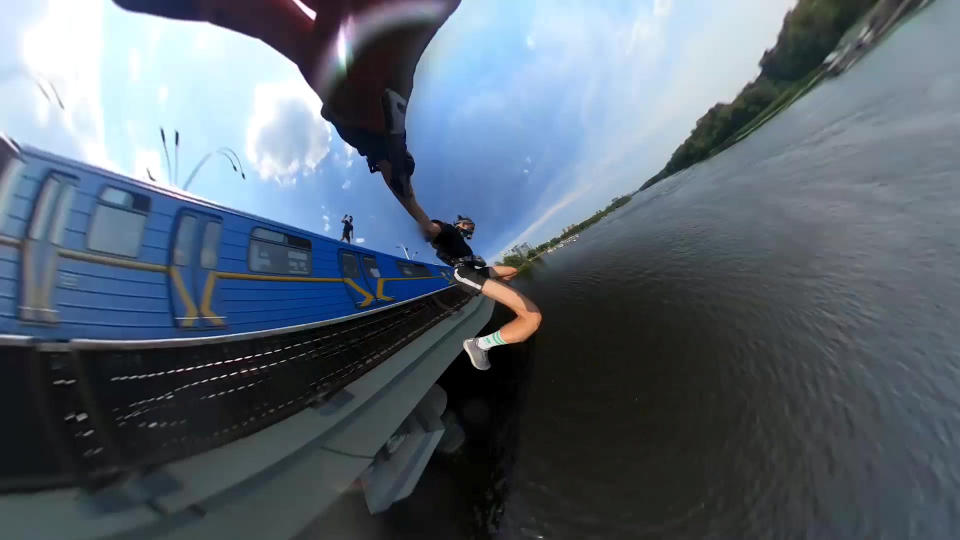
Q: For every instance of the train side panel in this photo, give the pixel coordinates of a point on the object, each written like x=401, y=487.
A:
x=88, y=254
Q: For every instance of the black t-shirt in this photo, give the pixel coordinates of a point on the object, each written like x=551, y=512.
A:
x=347, y=227
x=450, y=244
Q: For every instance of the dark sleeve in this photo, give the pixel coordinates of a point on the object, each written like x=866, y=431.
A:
x=447, y=233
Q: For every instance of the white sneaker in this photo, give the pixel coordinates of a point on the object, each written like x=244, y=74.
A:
x=478, y=356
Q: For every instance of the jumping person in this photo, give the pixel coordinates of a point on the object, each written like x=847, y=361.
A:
x=347, y=228
x=474, y=276
x=365, y=94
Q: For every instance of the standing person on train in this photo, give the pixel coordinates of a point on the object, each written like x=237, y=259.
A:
x=347, y=228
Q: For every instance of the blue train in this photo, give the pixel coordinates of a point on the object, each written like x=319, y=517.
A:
x=87, y=254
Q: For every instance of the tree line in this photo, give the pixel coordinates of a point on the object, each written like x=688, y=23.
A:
x=517, y=261
x=810, y=32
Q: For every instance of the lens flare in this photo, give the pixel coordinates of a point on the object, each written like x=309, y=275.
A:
x=362, y=28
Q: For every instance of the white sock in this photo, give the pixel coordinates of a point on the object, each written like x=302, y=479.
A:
x=488, y=342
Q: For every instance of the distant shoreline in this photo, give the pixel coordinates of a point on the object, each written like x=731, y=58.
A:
x=881, y=21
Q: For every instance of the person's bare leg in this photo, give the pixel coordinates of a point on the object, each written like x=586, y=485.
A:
x=528, y=314
x=503, y=273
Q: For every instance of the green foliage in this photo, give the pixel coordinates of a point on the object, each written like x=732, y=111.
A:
x=514, y=260
x=722, y=121
x=571, y=231
x=810, y=32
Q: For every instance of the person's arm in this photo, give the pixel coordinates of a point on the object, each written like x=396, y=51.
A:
x=431, y=230
x=410, y=204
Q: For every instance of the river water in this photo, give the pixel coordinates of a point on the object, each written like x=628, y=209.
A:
x=765, y=346
x=768, y=345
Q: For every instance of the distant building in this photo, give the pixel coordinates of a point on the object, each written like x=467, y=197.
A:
x=521, y=249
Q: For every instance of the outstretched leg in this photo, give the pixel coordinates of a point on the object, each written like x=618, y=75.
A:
x=503, y=273
x=527, y=322
x=528, y=314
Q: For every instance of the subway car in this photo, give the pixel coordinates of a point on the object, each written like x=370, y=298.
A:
x=86, y=254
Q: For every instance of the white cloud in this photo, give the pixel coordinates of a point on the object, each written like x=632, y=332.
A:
x=526, y=171
x=326, y=223
x=547, y=214
x=286, y=135
x=162, y=94
x=361, y=240
x=65, y=47
x=570, y=48
x=144, y=159
x=349, y=151
x=531, y=43
x=133, y=65
x=618, y=154
x=731, y=64
x=661, y=8
x=153, y=37
x=346, y=184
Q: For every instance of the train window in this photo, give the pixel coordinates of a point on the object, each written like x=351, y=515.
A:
x=211, y=244
x=10, y=167
x=350, y=266
x=183, y=245
x=118, y=222
x=117, y=197
x=281, y=238
x=64, y=204
x=44, y=205
x=409, y=269
x=370, y=264
x=279, y=253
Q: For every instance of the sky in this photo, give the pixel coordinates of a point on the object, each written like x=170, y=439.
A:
x=527, y=116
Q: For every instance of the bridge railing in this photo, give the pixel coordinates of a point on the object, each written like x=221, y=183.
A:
x=90, y=416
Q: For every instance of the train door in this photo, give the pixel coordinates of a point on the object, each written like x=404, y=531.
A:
x=352, y=270
x=371, y=270
x=193, y=264
x=40, y=251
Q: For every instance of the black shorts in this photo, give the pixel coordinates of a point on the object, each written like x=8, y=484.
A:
x=471, y=279
x=369, y=144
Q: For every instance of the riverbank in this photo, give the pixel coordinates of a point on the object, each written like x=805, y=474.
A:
x=874, y=28
x=571, y=233
x=862, y=37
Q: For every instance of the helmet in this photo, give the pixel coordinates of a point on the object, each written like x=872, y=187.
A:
x=466, y=226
